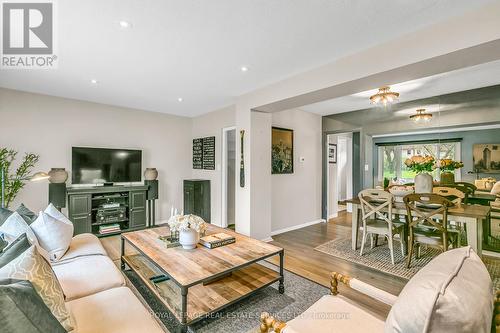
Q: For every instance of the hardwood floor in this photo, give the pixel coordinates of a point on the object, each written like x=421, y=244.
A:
x=303, y=260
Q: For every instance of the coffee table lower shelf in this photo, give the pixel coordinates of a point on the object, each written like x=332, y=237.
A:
x=203, y=299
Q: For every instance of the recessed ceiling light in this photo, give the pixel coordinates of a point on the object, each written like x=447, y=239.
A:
x=125, y=24
x=244, y=69
x=180, y=99
x=94, y=81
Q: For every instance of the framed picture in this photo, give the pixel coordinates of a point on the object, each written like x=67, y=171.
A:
x=281, y=151
x=486, y=157
x=332, y=153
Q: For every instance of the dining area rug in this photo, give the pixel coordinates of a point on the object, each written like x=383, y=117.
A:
x=379, y=258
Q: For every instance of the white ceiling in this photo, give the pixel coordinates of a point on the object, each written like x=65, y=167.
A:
x=479, y=76
x=194, y=49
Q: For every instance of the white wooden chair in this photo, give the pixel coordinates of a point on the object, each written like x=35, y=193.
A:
x=375, y=222
x=457, y=197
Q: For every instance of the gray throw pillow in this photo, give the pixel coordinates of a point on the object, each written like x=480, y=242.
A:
x=26, y=214
x=4, y=214
x=14, y=249
x=22, y=310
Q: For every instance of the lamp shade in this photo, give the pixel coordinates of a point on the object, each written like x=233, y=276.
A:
x=39, y=176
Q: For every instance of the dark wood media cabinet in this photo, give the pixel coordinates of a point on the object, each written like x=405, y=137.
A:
x=85, y=202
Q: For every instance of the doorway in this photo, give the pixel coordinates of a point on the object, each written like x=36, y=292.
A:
x=228, y=177
x=339, y=173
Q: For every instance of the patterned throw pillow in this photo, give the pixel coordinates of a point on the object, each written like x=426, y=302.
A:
x=31, y=266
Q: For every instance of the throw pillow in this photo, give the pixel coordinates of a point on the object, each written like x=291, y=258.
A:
x=54, y=235
x=55, y=213
x=4, y=214
x=15, y=226
x=30, y=265
x=496, y=188
x=26, y=214
x=23, y=311
x=14, y=249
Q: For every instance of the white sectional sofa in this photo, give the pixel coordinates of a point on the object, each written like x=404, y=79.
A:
x=96, y=294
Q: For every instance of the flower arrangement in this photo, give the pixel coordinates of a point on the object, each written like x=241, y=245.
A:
x=448, y=164
x=420, y=164
x=186, y=222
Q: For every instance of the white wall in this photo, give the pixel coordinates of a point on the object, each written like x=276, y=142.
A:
x=211, y=124
x=296, y=198
x=50, y=126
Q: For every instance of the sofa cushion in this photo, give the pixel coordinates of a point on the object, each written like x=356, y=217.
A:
x=22, y=310
x=30, y=265
x=14, y=250
x=26, y=214
x=4, y=214
x=54, y=235
x=335, y=314
x=87, y=275
x=82, y=245
x=453, y=293
x=116, y=310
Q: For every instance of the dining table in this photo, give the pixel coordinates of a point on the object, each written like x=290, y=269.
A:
x=472, y=216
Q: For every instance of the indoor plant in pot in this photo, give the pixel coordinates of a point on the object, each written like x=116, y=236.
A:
x=422, y=165
x=447, y=167
x=189, y=228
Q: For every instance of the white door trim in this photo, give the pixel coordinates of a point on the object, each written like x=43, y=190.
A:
x=224, y=176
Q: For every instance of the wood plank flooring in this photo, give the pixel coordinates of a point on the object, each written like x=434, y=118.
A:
x=302, y=259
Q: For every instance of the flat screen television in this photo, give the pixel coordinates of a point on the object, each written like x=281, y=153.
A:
x=104, y=165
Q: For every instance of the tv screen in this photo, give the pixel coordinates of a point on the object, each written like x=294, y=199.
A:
x=102, y=165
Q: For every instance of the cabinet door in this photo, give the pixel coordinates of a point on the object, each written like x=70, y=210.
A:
x=80, y=212
x=189, y=197
x=137, y=211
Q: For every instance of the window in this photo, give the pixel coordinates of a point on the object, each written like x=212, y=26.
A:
x=391, y=159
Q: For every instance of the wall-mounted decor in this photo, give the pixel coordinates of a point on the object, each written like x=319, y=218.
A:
x=332, y=153
x=486, y=157
x=204, y=153
x=282, y=151
x=242, y=162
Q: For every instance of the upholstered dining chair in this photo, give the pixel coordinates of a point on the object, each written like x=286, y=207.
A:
x=427, y=215
x=376, y=222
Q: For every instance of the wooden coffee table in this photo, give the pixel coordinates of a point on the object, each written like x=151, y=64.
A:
x=200, y=281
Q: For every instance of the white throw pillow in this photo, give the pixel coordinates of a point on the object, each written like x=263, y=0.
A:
x=53, y=235
x=452, y=293
x=55, y=213
x=15, y=226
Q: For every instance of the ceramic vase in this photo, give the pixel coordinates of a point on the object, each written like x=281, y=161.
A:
x=58, y=175
x=150, y=174
x=189, y=238
x=423, y=183
x=447, y=178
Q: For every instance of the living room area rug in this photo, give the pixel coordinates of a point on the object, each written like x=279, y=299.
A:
x=243, y=316
x=379, y=258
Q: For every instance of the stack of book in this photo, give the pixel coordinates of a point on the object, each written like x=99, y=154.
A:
x=109, y=228
x=216, y=240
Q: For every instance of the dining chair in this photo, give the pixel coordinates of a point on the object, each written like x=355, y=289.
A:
x=468, y=188
x=457, y=197
x=427, y=215
x=376, y=222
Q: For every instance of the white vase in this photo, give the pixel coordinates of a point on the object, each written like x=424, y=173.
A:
x=189, y=238
x=58, y=175
x=150, y=174
x=423, y=183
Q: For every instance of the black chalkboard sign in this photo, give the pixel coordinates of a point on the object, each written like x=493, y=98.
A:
x=197, y=153
x=209, y=153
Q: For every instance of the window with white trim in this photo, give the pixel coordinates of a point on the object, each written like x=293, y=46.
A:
x=391, y=159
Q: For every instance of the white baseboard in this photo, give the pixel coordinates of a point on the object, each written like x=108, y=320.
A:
x=333, y=216
x=295, y=227
x=267, y=240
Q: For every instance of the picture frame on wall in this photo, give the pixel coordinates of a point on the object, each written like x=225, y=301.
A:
x=486, y=157
x=281, y=151
x=332, y=153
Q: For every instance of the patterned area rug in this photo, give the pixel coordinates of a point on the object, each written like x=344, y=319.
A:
x=243, y=316
x=379, y=258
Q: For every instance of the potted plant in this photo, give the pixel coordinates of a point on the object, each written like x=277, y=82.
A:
x=447, y=167
x=189, y=228
x=422, y=165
